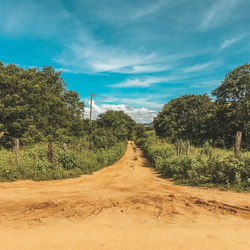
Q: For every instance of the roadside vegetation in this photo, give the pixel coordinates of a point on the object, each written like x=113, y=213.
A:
x=198, y=118
x=192, y=139
x=195, y=141
x=37, y=109
x=34, y=163
x=204, y=166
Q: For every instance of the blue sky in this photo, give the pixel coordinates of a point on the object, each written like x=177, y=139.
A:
x=136, y=55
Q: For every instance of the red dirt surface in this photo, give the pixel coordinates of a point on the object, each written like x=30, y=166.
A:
x=124, y=206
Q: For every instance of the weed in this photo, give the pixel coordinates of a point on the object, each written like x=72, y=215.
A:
x=68, y=164
x=215, y=167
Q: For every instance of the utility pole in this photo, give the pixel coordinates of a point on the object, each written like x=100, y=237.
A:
x=91, y=103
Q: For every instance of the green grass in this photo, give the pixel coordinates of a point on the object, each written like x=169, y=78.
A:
x=35, y=166
x=212, y=167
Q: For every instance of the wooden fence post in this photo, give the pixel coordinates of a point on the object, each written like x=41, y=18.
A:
x=65, y=146
x=1, y=135
x=178, y=148
x=237, y=143
x=76, y=148
x=188, y=147
x=17, y=149
x=50, y=152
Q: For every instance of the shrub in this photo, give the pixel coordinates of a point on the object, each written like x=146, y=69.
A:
x=215, y=167
x=35, y=166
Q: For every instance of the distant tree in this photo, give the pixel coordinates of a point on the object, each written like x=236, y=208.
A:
x=187, y=118
x=122, y=125
x=139, y=131
x=233, y=100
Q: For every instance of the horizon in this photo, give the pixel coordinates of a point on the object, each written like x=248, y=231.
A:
x=135, y=56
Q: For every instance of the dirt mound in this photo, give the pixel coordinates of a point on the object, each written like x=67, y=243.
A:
x=124, y=206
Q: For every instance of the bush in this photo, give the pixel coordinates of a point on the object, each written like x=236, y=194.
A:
x=68, y=160
x=212, y=167
x=35, y=166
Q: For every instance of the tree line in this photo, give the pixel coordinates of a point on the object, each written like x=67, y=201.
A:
x=198, y=118
x=35, y=106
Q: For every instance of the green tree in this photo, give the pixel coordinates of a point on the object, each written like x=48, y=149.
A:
x=233, y=100
x=121, y=124
x=36, y=100
x=187, y=118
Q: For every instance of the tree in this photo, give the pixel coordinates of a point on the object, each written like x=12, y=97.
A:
x=74, y=104
x=120, y=123
x=35, y=100
x=233, y=97
x=187, y=118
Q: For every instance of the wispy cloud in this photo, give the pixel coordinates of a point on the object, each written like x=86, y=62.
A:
x=197, y=67
x=205, y=84
x=147, y=10
x=143, y=82
x=90, y=55
x=153, y=68
x=229, y=42
x=220, y=11
x=147, y=101
x=122, y=11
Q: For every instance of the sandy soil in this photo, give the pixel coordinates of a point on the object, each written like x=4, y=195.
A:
x=124, y=206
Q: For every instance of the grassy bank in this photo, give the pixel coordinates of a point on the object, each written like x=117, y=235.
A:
x=200, y=166
x=34, y=164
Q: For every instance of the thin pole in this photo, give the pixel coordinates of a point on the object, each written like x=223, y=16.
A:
x=17, y=149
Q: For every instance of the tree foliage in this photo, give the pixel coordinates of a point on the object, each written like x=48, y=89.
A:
x=186, y=118
x=233, y=100
x=34, y=104
x=197, y=118
x=121, y=124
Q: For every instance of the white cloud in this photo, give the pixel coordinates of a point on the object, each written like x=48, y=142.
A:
x=147, y=10
x=229, y=42
x=197, y=67
x=140, y=115
x=145, y=101
x=91, y=56
x=150, y=68
x=204, y=84
x=220, y=12
x=88, y=55
x=123, y=10
x=145, y=82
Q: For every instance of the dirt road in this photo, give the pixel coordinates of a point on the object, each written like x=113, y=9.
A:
x=124, y=206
